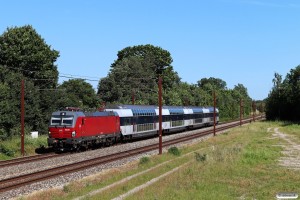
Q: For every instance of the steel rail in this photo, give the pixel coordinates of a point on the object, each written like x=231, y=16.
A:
x=27, y=159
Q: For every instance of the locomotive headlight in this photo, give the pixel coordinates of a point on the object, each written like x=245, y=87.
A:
x=73, y=133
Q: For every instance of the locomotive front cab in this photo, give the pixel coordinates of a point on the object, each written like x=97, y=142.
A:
x=62, y=128
x=61, y=120
x=62, y=125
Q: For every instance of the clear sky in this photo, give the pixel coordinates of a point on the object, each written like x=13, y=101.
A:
x=238, y=41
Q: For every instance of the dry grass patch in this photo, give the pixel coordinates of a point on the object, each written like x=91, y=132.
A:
x=49, y=194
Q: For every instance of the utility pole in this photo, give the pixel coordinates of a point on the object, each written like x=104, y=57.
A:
x=241, y=106
x=160, y=112
x=22, y=117
x=254, y=110
x=214, y=113
x=132, y=96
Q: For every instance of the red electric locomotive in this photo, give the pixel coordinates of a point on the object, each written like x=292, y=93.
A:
x=72, y=129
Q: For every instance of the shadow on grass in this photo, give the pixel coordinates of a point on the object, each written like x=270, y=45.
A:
x=285, y=123
x=43, y=150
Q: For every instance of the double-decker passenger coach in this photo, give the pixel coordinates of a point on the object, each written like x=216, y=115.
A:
x=139, y=120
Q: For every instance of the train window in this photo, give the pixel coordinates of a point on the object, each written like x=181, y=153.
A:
x=67, y=121
x=191, y=116
x=166, y=118
x=61, y=120
x=144, y=119
x=55, y=121
x=125, y=121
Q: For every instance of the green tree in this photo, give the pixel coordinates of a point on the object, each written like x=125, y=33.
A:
x=24, y=50
x=241, y=91
x=274, y=105
x=136, y=72
x=277, y=80
x=77, y=92
x=131, y=76
x=10, y=87
x=227, y=99
x=155, y=58
x=186, y=94
x=283, y=100
x=212, y=83
x=158, y=57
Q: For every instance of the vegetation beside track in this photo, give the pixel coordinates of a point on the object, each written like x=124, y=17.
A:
x=11, y=148
x=242, y=163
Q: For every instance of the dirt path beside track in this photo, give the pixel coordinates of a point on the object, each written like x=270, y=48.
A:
x=291, y=152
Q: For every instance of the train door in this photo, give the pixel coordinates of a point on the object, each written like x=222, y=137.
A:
x=83, y=126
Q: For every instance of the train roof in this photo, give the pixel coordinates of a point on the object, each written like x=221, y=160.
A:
x=139, y=109
x=101, y=113
x=175, y=109
x=82, y=114
x=132, y=107
x=68, y=113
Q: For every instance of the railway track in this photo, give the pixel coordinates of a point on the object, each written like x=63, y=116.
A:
x=17, y=182
x=28, y=159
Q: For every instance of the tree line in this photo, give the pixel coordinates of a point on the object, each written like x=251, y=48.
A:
x=24, y=55
x=135, y=75
x=283, y=102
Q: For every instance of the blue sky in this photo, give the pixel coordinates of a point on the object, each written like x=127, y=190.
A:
x=239, y=41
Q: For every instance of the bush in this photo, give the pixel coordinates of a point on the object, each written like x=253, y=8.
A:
x=66, y=188
x=144, y=160
x=11, y=146
x=200, y=157
x=7, y=150
x=3, y=134
x=174, y=150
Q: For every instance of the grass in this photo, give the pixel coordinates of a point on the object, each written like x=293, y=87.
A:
x=292, y=129
x=245, y=169
x=241, y=164
x=12, y=148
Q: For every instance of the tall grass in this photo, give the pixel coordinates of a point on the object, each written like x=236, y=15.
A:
x=247, y=168
x=12, y=148
x=292, y=129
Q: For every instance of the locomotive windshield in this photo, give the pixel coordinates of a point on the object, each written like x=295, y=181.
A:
x=58, y=120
